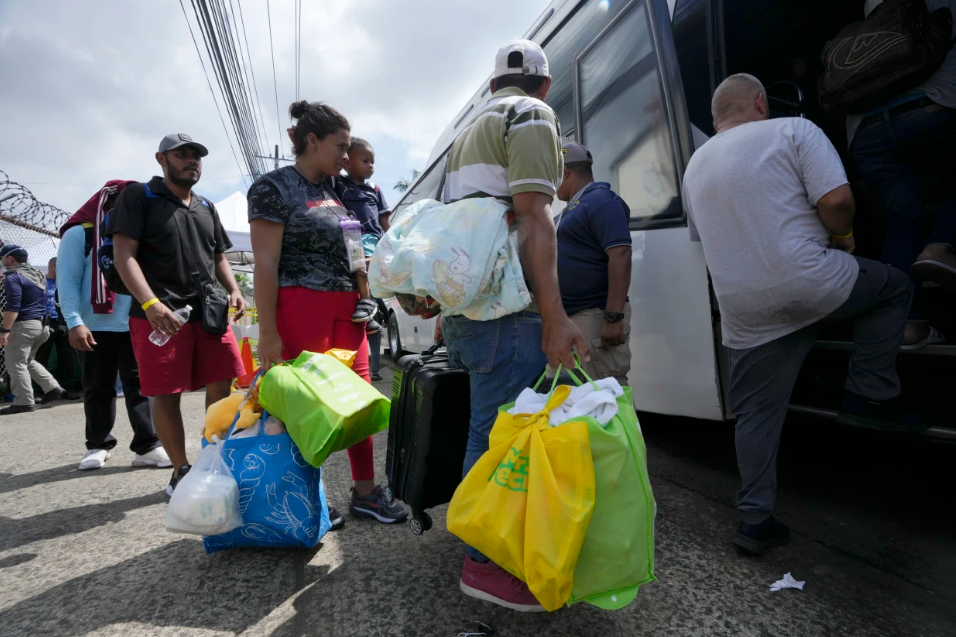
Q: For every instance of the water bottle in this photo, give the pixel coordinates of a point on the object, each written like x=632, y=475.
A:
x=158, y=338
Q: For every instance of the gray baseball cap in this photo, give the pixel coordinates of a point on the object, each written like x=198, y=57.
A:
x=575, y=153
x=175, y=140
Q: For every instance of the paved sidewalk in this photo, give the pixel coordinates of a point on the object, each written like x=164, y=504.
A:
x=87, y=554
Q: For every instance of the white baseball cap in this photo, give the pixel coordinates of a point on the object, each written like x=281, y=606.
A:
x=533, y=60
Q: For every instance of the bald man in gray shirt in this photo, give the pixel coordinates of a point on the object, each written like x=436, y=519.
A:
x=769, y=201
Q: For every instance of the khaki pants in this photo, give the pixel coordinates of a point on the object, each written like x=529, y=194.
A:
x=605, y=363
x=26, y=337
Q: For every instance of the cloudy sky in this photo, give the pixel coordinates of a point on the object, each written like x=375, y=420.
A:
x=87, y=89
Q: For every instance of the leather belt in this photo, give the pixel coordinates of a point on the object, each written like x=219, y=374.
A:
x=899, y=109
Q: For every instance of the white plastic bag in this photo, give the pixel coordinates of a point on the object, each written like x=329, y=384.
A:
x=206, y=500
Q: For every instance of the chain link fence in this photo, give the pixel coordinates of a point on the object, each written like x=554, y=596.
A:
x=30, y=224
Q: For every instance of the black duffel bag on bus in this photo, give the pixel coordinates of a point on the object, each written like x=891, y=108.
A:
x=897, y=47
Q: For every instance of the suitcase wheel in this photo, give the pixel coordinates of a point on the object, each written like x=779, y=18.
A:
x=420, y=523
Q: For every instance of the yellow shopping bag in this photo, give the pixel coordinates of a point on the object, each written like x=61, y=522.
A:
x=527, y=502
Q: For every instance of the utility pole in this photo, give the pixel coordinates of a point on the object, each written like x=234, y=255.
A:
x=276, y=159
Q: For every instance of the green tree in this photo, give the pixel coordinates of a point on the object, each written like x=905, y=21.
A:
x=404, y=184
x=244, y=281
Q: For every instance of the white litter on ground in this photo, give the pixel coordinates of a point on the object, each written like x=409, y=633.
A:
x=786, y=582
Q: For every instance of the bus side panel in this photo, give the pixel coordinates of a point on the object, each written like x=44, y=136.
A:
x=673, y=360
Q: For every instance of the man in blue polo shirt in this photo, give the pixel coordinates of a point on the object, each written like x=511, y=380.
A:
x=594, y=264
x=24, y=330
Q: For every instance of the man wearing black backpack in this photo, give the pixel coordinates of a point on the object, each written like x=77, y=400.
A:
x=169, y=248
x=98, y=322
x=895, y=145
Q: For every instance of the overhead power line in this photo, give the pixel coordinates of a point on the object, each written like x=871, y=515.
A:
x=224, y=49
x=209, y=83
x=275, y=85
x=252, y=72
x=298, y=47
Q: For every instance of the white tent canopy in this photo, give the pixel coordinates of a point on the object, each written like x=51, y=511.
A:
x=234, y=215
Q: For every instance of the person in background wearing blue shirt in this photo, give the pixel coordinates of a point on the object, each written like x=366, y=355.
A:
x=365, y=200
x=594, y=264
x=98, y=322
x=59, y=339
x=24, y=330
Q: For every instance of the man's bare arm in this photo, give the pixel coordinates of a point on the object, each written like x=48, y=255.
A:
x=125, y=249
x=539, y=257
x=9, y=318
x=618, y=277
x=226, y=277
x=837, y=209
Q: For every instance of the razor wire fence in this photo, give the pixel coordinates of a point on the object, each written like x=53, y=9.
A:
x=30, y=224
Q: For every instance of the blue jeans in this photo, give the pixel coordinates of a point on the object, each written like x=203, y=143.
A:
x=502, y=357
x=375, y=351
x=893, y=156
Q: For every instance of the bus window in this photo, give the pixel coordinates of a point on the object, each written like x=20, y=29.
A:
x=428, y=187
x=581, y=28
x=625, y=120
x=693, y=41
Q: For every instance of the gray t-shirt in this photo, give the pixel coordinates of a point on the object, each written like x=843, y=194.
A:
x=750, y=194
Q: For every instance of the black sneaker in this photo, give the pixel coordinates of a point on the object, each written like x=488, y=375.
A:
x=379, y=504
x=53, y=394
x=757, y=538
x=336, y=519
x=364, y=311
x=372, y=327
x=183, y=470
x=889, y=415
x=17, y=409
x=376, y=377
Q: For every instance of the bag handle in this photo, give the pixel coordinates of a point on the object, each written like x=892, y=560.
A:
x=571, y=372
x=554, y=383
x=578, y=368
x=235, y=419
x=434, y=348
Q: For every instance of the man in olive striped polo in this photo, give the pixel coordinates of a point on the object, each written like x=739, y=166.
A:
x=511, y=151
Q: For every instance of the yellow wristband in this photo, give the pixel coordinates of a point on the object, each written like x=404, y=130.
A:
x=150, y=303
x=845, y=236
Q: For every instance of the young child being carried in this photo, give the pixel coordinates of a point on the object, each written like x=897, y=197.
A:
x=365, y=200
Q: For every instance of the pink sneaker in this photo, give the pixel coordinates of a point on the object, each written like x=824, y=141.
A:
x=491, y=583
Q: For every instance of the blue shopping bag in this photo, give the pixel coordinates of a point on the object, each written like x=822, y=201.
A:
x=281, y=496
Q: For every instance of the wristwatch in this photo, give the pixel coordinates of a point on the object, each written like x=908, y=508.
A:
x=4, y=330
x=613, y=317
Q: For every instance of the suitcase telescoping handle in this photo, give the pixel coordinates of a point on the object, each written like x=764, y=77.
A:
x=434, y=348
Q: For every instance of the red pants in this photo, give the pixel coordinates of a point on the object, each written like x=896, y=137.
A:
x=190, y=360
x=313, y=321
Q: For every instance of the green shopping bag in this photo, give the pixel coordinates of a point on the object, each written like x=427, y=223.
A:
x=326, y=407
x=617, y=556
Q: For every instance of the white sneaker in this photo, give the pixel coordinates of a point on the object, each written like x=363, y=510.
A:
x=94, y=459
x=155, y=458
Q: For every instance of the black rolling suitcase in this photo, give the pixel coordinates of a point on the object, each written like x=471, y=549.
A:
x=427, y=433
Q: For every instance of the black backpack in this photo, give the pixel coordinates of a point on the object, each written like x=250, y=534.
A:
x=105, y=253
x=105, y=258
x=899, y=46
x=111, y=276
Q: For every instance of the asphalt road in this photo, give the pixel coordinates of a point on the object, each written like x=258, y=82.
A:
x=872, y=516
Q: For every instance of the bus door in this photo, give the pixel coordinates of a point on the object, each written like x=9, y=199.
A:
x=631, y=114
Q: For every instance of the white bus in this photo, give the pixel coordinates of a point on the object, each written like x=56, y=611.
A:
x=633, y=81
